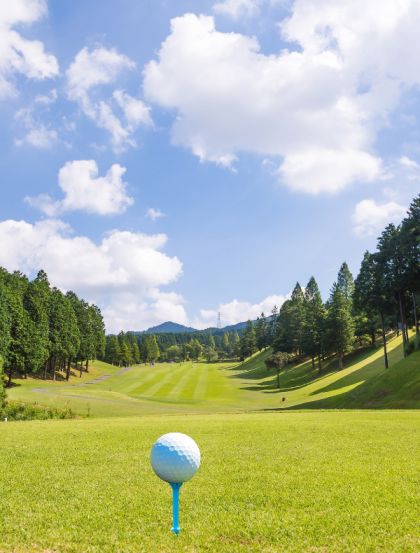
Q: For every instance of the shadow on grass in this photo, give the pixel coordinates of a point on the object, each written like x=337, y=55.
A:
x=375, y=387
x=302, y=374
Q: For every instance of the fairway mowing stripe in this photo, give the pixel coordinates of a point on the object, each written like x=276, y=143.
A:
x=144, y=380
x=152, y=390
x=149, y=382
x=201, y=386
x=179, y=386
x=170, y=382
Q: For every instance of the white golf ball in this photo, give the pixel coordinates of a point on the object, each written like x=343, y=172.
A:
x=175, y=457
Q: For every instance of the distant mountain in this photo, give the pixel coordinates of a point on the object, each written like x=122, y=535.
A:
x=175, y=328
x=169, y=326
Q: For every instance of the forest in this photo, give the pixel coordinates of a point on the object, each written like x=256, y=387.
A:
x=43, y=331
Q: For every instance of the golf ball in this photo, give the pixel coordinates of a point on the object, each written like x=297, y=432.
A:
x=175, y=457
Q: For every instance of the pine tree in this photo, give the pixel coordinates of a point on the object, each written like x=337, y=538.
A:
x=345, y=283
x=112, y=351
x=248, y=342
x=314, y=323
x=340, y=324
x=36, y=303
x=5, y=317
x=370, y=296
x=2, y=390
x=261, y=332
x=392, y=266
x=235, y=344
x=152, y=349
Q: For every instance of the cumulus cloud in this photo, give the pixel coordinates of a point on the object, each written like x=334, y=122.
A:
x=17, y=54
x=95, y=68
x=123, y=273
x=316, y=108
x=370, y=217
x=237, y=8
x=37, y=133
x=85, y=190
x=154, y=214
x=238, y=311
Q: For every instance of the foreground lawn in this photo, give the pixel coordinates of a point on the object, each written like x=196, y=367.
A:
x=273, y=482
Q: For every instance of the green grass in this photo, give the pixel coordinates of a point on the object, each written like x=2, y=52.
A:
x=294, y=480
x=227, y=387
x=290, y=482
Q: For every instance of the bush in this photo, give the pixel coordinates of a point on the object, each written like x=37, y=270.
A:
x=16, y=411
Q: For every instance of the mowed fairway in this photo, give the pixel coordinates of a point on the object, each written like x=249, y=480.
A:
x=274, y=482
x=142, y=389
x=192, y=387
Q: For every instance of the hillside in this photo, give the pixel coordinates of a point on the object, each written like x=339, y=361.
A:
x=363, y=383
x=192, y=387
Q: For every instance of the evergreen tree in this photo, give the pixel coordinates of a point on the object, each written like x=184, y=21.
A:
x=152, y=349
x=112, y=351
x=314, y=323
x=345, y=283
x=371, y=296
x=226, y=344
x=340, y=324
x=2, y=390
x=134, y=348
x=248, y=342
x=36, y=303
x=235, y=344
x=261, y=332
x=5, y=318
x=392, y=266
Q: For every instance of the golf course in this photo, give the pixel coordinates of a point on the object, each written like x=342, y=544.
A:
x=277, y=474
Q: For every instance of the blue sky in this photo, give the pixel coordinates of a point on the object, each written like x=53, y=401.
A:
x=169, y=160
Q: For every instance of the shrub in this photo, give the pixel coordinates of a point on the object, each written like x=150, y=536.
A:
x=16, y=411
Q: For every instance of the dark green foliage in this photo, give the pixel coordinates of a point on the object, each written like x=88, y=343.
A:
x=278, y=361
x=340, y=324
x=262, y=332
x=313, y=340
x=2, y=390
x=248, y=342
x=152, y=349
x=41, y=330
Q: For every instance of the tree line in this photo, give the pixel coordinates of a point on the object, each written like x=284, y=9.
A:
x=383, y=297
x=128, y=348
x=43, y=331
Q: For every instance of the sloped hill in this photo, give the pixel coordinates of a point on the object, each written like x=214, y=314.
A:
x=396, y=388
x=363, y=383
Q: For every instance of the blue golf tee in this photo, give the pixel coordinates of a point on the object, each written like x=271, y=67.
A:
x=175, y=508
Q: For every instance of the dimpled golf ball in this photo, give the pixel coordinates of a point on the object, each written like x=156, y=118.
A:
x=175, y=457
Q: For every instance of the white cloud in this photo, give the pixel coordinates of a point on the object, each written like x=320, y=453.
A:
x=370, y=218
x=238, y=311
x=409, y=163
x=136, y=112
x=316, y=108
x=154, y=214
x=237, y=8
x=92, y=68
x=85, y=190
x=37, y=134
x=95, y=68
x=18, y=55
x=123, y=273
